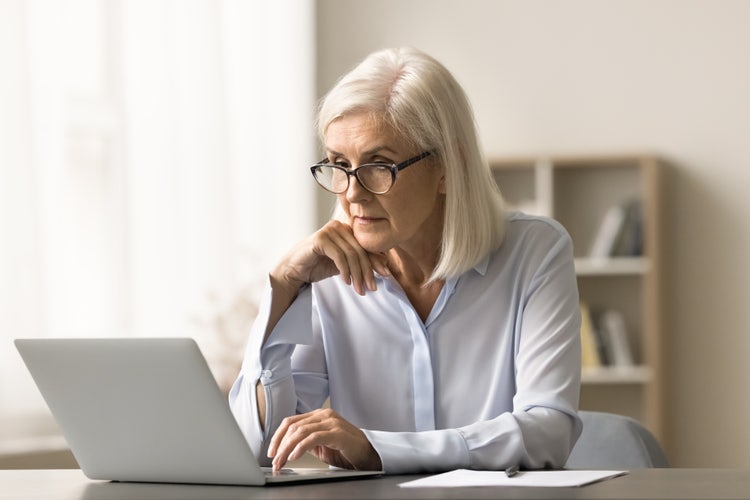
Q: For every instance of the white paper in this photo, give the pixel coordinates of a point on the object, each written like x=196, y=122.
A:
x=549, y=478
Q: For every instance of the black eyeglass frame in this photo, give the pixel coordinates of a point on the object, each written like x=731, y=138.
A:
x=394, y=168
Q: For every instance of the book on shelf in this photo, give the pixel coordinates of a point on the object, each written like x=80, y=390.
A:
x=604, y=338
x=620, y=232
x=613, y=337
x=589, y=344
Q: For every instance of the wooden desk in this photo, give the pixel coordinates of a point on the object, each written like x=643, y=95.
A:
x=71, y=484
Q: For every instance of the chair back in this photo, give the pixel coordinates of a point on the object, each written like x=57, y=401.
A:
x=610, y=441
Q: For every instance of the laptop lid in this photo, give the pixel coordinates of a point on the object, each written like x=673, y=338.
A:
x=143, y=409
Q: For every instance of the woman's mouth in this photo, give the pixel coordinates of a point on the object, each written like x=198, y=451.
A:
x=365, y=220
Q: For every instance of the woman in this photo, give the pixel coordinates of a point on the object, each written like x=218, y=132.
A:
x=444, y=330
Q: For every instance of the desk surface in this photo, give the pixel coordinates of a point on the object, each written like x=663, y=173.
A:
x=643, y=483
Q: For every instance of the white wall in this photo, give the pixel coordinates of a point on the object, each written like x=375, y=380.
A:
x=587, y=76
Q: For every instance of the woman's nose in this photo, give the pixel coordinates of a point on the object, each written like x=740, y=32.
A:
x=356, y=193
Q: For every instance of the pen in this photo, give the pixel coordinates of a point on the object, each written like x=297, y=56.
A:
x=511, y=471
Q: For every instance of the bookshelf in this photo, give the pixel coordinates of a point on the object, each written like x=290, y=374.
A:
x=578, y=191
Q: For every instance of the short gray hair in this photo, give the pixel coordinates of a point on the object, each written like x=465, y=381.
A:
x=415, y=95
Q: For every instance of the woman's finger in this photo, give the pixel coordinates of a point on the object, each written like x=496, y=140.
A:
x=358, y=262
x=328, y=436
x=280, y=433
x=288, y=436
x=336, y=241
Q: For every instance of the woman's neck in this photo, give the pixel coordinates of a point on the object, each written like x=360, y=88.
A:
x=410, y=270
x=412, y=273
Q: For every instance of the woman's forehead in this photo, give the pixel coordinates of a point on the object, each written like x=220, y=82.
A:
x=361, y=132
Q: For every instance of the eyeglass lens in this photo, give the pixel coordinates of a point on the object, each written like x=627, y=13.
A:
x=375, y=178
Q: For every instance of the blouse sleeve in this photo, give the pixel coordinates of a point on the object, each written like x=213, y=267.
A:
x=271, y=364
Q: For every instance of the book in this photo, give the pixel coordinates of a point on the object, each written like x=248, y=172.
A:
x=620, y=231
x=630, y=239
x=589, y=344
x=608, y=232
x=613, y=336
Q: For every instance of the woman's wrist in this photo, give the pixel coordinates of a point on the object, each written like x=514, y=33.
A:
x=283, y=294
x=281, y=283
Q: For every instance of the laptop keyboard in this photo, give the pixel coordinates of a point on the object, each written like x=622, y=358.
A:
x=268, y=471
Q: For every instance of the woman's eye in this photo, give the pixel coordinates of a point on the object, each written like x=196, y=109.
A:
x=341, y=164
x=381, y=161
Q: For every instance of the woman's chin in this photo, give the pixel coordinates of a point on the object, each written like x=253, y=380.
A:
x=370, y=244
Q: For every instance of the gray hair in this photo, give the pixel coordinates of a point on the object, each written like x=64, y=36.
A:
x=415, y=95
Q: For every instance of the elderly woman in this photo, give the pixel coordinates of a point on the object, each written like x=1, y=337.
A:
x=444, y=330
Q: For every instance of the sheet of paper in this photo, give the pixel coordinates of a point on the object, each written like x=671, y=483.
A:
x=550, y=478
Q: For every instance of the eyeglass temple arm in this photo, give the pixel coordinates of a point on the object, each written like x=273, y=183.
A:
x=411, y=161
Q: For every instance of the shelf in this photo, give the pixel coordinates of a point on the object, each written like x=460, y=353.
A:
x=615, y=266
x=616, y=375
x=579, y=192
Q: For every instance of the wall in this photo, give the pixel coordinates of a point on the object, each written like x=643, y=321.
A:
x=670, y=77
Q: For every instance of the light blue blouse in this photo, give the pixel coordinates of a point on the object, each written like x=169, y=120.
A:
x=491, y=378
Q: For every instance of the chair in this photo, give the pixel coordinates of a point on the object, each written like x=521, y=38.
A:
x=610, y=441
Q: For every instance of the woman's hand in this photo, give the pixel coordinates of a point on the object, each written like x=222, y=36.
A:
x=327, y=436
x=331, y=250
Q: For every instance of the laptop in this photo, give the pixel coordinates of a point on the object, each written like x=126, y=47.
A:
x=149, y=410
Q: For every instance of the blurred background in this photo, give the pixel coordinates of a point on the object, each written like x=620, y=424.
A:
x=153, y=163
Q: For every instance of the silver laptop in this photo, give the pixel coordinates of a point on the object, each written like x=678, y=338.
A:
x=148, y=410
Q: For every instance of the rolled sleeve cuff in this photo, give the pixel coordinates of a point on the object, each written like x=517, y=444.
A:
x=293, y=328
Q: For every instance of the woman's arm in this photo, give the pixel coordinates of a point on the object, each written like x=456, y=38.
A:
x=534, y=439
x=331, y=250
x=282, y=296
x=282, y=322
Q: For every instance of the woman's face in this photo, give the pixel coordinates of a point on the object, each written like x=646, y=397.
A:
x=410, y=215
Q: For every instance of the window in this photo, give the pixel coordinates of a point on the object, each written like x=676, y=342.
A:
x=132, y=201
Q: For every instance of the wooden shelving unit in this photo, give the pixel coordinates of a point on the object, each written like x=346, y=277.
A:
x=578, y=191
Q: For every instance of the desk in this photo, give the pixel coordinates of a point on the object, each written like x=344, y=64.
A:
x=71, y=484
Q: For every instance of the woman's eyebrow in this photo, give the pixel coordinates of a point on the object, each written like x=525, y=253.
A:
x=369, y=152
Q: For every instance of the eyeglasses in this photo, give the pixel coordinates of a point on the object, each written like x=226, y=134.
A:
x=377, y=178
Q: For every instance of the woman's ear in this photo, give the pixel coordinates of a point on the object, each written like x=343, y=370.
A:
x=442, y=185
